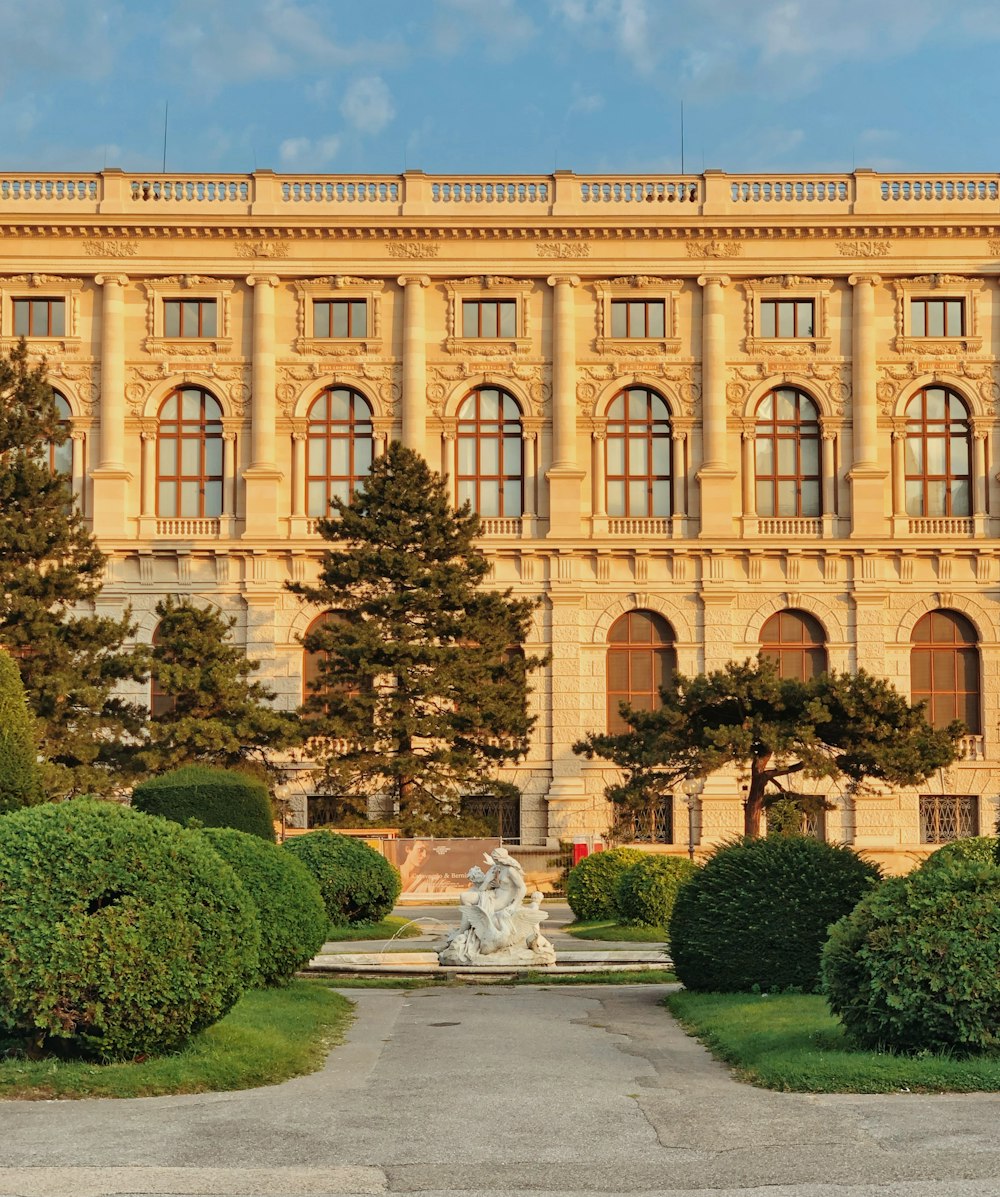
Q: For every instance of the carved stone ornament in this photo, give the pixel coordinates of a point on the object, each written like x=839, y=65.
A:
x=412, y=249
x=530, y=376
x=141, y=380
x=563, y=249
x=896, y=378
x=830, y=380
x=864, y=249
x=379, y=380
x=110, y=247
x=994, y=246
x=81, y=378
x=679, y=386
x=715, y=248
x=262, y=249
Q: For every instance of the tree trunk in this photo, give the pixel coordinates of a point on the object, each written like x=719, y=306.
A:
x=753, y=807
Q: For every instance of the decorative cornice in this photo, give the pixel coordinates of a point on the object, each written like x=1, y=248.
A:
x=864, y=249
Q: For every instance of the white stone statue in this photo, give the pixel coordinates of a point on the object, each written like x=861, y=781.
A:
x=496, y=927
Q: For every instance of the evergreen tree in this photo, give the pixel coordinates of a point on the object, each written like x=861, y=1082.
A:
x=70, y=659
x=773, y=729
x=211, y=713
x=20, y=777
x=422, y=688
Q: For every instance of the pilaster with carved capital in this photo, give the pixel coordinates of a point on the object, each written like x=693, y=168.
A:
x=414, y=382
x=564, y=474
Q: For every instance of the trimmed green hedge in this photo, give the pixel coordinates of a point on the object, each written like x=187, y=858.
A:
x=120, y=935
x=592, y=885
x=980, y=848
x=357, y=883
x=293, y=922
x=20, y=776
x=756, y=915
x=214, y=797
x=648, y=890
x=914, y=966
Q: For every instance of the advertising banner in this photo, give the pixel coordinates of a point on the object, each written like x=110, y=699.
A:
x=437, y=866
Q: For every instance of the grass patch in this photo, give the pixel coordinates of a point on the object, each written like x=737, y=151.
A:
x=391, y=926
x=269, y=1036
x=793, y=1043
x=632, y=976
x=608, y=930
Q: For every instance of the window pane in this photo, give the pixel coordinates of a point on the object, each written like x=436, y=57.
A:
x=317, y=455
x=467, y=494
x=637, y=457
x=637, y=405
x=508, y=322
x=935, y=319
x=321, y=319
x=786, y=320
x=967, y=666
x=618, y=670
x=167, y=498
x=168, y=455
x=914, y=498
x=466, y=455
x=512, y=498
x=804, y=313
x=489, y=404
x=470, y=319
x=191, y=456
x=935, y=455
x=765, y=498
x=787, y=499
x=488, y=317
x=913, y=454
x=937, y=498
x=937, y=406
x=809, y=451
x=764, y=450
x=190, y=498
x=959, y=455
x=767, y=320
x=918, y=323
x=340, y=319
x=172, y=320
x=785, y=407
x=616, y=498
x=661, y=455
x=968, y=711
x=920, y=670
x=786, y=456
x=362, y=456
x=189, y=318
x=190, y=405
x=341, y=489
x=512, y=455
x=213, y=456
x=638, y=499
x=208, y=319
x=960, y=498
x=642, y=671
x=316, y=499
x=661, y=498
x=810, y=498
x=340, y=404
x=656, y=320
x=619, y=326
x=213, y=498
x=359, y=318
x=954, y=320
x=489, y=498
x=340, y=462
x=636, y=319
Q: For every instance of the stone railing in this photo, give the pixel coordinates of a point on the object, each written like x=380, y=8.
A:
x=972, y=748
x=941, y=526
x=563, y=194
x=789, y=526
x=188, y=527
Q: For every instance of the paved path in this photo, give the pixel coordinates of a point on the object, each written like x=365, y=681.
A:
x=487, y=1089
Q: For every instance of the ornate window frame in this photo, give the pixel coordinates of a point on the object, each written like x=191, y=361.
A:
x=482, y=287
x=184, y=286
x=338, y=286
x=640, y=287
x=788, y=286
x=49, y=286
x=938, y=286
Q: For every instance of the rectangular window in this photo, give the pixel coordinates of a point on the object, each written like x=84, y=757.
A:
x=489, y=318
x=937, y=317
x=340, y=318
x=945, y=817
x=189, y=318
x=786, y=318
x=638, y=318
x=39, y=317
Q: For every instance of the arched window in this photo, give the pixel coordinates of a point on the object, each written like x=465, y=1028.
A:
x=189, y=455
x=794, y=641
x=786, y=448
x=60, y=457
x=944, y=669
x=159, y=703
x=488, y=462
x=339, y=455
x=641, y=659
x=312, y=662
x=638, y=454
x=937, y=454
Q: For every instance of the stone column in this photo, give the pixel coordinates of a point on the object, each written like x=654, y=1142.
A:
x=749, y=466
x=899, y=469
x=716, y=474
x=262, y=476
x=566, y=798
x=228, y=474
x=414, y=402
x=867, y=475
x=600, y=473
x=448, y=464
x=298, y=473
x=111, y=478
x=78, y=474
x=829, y=471
x=978, y=465
x=564, y=475
x=530, y=448
x=148, y=472
x=678, y=472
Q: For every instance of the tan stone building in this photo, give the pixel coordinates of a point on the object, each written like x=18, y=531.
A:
x=699, y=415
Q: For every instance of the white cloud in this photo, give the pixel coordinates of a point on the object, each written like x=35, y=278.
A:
x=367, y=105
x=306, y=154
x=501, y=25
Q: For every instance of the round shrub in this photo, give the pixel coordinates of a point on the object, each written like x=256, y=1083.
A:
x=592, y=886
x=357, y=883
x=914, y=966
x=980, y=848
x=20, y=776
x=293, y=922
x=648, y=890
x=120, y=935
x=214, y=797
x=756, y=915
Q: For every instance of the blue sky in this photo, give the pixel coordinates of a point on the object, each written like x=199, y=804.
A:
x=501, y=86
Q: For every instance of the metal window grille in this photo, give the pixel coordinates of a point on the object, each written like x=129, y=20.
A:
x=502, y=814
x=654, y=825
x=945, y=817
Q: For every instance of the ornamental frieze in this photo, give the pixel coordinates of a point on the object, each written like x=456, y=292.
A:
x=412, y=249
x=563, y=249
x=232, y=381
x=829, y=380
x=110, y=247
x=532, y=377
x=896, y=378
x=864, y=249
x=682, y=389
x=262, y=249
x=381, y=380
x=715, y=248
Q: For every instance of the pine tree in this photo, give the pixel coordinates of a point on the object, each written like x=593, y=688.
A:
x=70, y=659
x=212, y=712
x=20, y=777
x=773, y=729
x=422, y=690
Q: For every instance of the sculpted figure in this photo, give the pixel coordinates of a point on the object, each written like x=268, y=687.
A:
x=496, y=927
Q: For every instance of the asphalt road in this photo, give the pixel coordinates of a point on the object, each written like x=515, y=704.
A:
x=489, y=1089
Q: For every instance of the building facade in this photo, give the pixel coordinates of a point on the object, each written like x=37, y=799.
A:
x=699, y=415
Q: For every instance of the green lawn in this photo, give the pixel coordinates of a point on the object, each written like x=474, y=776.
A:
x=392, y=926
x=606, y=929
x=793, y=1043
x=269, y=1036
